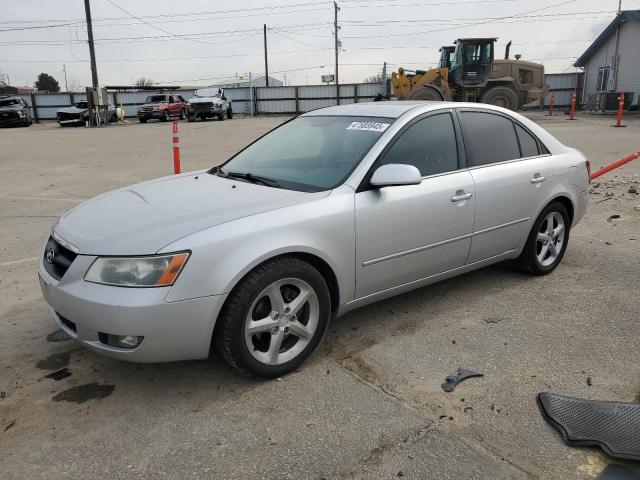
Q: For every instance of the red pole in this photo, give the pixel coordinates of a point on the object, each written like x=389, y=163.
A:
x=176, y=147
x=551, y=104
x=617, y=164
x=620, y=108
x=573, y=106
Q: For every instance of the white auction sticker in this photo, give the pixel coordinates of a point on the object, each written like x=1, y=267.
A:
x=369, y=126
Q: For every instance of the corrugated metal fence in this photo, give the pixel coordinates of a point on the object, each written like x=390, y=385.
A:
x=296, y=99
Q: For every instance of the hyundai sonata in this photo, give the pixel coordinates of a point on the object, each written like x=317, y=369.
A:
x=332, y=210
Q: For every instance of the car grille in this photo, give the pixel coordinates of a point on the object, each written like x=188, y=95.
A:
x=202, y=105
x=69, y=116
x=147, y=109
x=8, y=115
x=57, y=259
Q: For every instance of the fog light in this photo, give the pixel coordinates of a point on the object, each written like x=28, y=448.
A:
x=121, y=341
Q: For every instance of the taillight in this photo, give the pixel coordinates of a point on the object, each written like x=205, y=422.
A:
x=588, y=164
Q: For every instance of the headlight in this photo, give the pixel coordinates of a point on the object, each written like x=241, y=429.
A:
x=152, y=271
x=20, y=114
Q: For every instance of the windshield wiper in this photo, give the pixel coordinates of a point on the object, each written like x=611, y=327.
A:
x=250, y=177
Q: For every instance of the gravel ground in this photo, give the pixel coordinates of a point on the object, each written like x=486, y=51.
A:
x=368, y=404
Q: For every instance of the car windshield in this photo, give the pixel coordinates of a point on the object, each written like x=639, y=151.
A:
x=312, y=153
x=10, y=101
x=207, y=92
x=80, y=105
x=156, y=99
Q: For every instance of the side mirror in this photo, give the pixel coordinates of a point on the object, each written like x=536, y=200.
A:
x=394, y=174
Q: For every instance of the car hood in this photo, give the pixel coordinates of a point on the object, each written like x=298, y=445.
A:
x=205, y=100
x=72, y=110
x=155, y=105
x=11, y=108
x=143, y=218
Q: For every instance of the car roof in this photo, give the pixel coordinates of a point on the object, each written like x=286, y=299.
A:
x=388, y=109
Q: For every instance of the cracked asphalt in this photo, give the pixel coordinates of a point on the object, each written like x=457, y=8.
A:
x=368, y=404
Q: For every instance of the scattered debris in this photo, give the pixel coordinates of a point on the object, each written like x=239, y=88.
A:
x=452, y=380
x=59, y=375
x=400, y=474
x=608, y=243
x=613, y=217
x=3, y=394
x=83, y=393
x=467, y=409
x=493, y=319
x=589, y=381
x=453, y=342
x=613, y=426
x=9, y=425
x=632, y=190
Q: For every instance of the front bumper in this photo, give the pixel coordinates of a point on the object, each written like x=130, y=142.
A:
x=9, y=120
x=206, y=110
x=72, y=121
x=172, y=331
x=151, y=114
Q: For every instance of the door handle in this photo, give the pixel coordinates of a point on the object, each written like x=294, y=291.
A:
x=537, y=178
x=459, y=198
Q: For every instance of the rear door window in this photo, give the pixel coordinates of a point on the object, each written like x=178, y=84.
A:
x=429, y=145
x=528, y=143
x=488, y=138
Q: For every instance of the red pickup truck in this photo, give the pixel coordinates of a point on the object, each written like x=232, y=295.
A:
x=162, y=107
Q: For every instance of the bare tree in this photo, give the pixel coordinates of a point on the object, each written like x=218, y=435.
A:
x=374, y=78
x=143, y=82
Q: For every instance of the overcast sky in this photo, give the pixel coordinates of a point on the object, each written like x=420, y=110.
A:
x=300, y=36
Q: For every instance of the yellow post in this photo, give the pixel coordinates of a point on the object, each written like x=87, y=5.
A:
x=121, y=112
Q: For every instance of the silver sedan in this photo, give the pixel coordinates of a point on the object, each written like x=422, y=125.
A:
x=333, y=210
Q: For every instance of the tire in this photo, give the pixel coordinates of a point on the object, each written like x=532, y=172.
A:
x=221, y=116
x=503, y=97
x=167, y=116
x=182, y=114
x=426, y=93
x=532, y=260
x=229, y=113
x=283, y=279
x=191, y=118
x=142, y=120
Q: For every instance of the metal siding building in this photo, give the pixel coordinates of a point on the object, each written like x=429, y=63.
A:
x=603, y=73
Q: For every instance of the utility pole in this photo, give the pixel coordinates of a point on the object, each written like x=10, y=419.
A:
x=616, y=54
x=66, y=85
x=266, y=62
x=92, y=52
x=336, y=9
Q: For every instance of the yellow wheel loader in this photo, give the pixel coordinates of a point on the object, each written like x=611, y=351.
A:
x=468, y=72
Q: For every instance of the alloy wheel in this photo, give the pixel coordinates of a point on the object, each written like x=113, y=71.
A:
x=550, y=239
x=281, y=321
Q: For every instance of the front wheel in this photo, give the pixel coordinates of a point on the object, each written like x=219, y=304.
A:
x=547, y=240
x=229, y=113
x=274, y=318
x=221, y=116
x=166, y=116
x=182, y=114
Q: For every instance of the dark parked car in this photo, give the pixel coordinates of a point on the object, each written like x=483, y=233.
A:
x=78, y=114
x=14, y=111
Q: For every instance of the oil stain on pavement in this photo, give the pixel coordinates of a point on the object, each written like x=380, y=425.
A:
x=84, y=393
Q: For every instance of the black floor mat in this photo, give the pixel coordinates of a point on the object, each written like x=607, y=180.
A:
x=613, y=426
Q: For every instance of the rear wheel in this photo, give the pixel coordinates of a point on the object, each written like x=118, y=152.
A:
x=142, y=120
x=503, y=97
x=547, y=240
x=426, y=93
x=274, y=318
